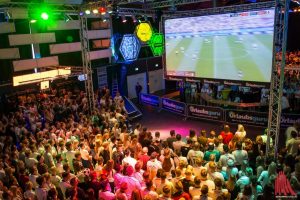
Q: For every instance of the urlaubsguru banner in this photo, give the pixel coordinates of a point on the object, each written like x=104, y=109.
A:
x=150, y=99
x=289, y=119
x=247, y=117
x=205, y=112
x=173, y=106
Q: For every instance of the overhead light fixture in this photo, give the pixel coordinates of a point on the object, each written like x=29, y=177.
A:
x=109, y=9
x=102, y=10
x=124, y=20
x=134, y=20
x=95, y=11
x=87, y=11
x=44, y=16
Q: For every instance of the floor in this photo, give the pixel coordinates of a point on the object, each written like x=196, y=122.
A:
x=164, y=121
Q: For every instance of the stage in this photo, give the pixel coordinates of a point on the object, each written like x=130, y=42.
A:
x=164, y=121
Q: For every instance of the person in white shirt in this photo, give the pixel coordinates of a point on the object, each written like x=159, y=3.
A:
x=69, y=155
x=240, y=155
x=205, y=181
x=224, y=158
x=194, y=154
x=178, y=144
x=128, y=159
x=29, y=193
x=285, y=105
x=153, y=165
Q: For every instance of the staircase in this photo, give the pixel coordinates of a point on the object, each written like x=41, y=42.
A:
x=133, y=112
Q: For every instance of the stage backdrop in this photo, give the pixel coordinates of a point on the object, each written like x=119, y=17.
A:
x=156, y=80
x=131, y=82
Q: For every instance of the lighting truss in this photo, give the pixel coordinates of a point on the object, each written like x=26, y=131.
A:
x=280, y=40
x=220, y=10
x=65, y=8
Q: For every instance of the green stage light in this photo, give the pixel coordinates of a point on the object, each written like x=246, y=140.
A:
x=157, y=44
x=44, y=16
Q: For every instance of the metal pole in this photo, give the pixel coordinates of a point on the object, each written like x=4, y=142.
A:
x=280, y=39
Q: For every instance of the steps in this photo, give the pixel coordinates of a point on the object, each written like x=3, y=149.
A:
x=115, y=87
x=133, y=112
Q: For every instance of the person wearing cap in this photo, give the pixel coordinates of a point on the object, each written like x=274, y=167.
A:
x=179, y=192
x=205, y=181
x=131, y=181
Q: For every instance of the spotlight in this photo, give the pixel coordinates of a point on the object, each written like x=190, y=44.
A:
x=134, y=19
x=81, y=13
x=87, y=12
x=124, y=20
x=298, y=9
x=146, y=18
x=95, y=11
x=102, y=10
x=33, y=21
x=109, y=9
x=44, y=16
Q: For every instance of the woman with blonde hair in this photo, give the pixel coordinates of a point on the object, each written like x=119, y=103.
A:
x=240, y=133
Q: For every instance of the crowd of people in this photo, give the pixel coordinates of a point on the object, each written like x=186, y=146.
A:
x=52, y=148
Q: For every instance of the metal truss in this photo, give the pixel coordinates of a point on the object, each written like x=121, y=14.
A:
x=171, y=3
x=220, y=10
x=280, y=38
x=87, y=66
x=134, y=11
x=66, y=8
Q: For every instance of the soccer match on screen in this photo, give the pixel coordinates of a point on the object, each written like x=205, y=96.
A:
x=233, y=46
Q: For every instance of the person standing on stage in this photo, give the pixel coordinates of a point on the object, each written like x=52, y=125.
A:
x=138, y=90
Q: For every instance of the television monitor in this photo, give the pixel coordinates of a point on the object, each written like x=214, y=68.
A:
x=232, y=46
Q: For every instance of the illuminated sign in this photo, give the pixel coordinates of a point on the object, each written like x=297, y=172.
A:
x=144, y=32
x=130, y=47
x=157, y=44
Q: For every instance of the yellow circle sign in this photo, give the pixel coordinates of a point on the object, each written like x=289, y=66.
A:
x=144, y=31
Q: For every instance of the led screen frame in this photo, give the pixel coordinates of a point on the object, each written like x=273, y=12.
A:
x=230, y=78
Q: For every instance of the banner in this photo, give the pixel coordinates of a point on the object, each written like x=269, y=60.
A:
x=173, y=106
x=205, y=112
x=289, y=119
x=149, y=99
x=247, y=117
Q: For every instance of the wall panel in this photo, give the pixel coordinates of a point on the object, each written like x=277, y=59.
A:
x=9, y=53
x=22, y=39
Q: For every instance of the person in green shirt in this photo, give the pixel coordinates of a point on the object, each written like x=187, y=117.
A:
x=211, y=150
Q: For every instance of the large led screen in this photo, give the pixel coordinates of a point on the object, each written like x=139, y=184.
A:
x=233, y=46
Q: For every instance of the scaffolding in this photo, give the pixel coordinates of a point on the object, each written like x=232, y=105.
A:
x=280, y=38
x=86, y=63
